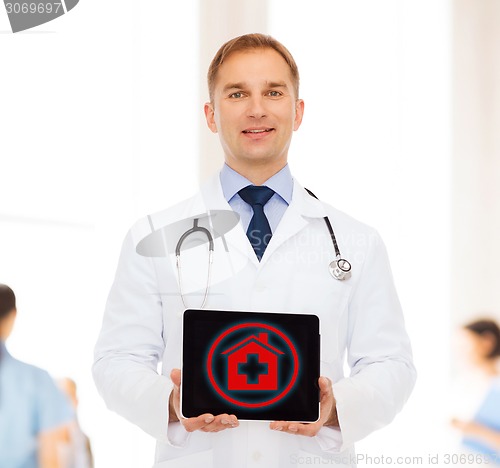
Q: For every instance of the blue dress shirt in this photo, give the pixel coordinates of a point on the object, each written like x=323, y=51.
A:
x=30, y=403
x=281, y=182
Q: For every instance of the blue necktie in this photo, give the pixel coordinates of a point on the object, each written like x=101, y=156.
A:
x=258, y=232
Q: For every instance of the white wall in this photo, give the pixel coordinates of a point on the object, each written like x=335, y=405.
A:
x=476, y=160
x=100, y=113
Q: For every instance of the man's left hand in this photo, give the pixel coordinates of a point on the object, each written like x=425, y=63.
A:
x=327, y=415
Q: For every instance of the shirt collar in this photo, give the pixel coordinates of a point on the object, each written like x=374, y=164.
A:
x=3, y=350
x=232, y=182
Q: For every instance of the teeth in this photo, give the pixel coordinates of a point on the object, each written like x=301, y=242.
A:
x=257, y=131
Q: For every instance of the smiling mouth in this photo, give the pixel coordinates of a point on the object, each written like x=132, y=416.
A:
x=260, y=130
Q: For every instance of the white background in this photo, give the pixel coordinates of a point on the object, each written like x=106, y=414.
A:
x=98, y=126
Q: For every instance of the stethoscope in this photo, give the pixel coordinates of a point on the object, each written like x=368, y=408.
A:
x=184, y=236
x=339, y=268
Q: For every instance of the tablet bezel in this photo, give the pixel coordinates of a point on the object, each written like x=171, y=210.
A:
x=301, y=405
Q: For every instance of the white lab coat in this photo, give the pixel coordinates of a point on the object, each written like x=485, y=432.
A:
x=361, y=317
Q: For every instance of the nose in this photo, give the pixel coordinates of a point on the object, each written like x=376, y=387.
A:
x=256, y=107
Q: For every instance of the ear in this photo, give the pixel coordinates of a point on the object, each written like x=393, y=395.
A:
x=7, y=324
x=489, y=342
x=210, y=116
x=299, y=113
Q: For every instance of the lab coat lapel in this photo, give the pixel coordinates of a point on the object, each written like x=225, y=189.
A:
x=213, y=199
x=302, y=208
x=296, y=217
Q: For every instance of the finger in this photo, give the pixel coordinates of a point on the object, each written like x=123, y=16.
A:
x=200, y=422
x=229, y=420
x=309, y=429
x=175, y=376
x=325, y=384
x=325, y=389
x=278, y=425
x=221, y=422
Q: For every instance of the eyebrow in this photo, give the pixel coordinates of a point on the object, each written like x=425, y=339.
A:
x=243, y=85
x=279, y=84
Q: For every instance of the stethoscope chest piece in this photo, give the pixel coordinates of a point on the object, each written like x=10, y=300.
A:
x=340, y=269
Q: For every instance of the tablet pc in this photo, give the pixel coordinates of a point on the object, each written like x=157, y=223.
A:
x=255, y=365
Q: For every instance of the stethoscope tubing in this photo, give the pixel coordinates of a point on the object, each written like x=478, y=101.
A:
x=184, y=236
x=339, y=268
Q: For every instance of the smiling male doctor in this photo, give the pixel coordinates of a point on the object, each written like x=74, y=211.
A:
x=279, y=258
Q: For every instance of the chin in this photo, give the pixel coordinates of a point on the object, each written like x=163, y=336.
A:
x=261, y=159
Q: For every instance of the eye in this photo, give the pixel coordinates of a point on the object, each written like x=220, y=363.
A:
x=274, y=93
x=236, y=95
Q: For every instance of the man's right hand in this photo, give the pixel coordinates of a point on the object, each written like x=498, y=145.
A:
x=206, y=422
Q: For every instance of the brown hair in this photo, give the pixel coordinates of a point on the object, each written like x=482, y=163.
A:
x=249, y=42
x=7, y=301
x=487, y=328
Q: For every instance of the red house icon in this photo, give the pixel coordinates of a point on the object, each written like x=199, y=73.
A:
x=252, y=364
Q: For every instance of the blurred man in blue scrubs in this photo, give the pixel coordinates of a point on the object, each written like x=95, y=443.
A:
x=33, y=411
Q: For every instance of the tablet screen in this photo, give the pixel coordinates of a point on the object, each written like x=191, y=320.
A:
x=256, y=365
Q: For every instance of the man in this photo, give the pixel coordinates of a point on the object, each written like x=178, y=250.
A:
x=277, y=262
x=33, y=412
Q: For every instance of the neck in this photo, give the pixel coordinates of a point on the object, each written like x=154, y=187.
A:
x=255, y=173
x=490, y=367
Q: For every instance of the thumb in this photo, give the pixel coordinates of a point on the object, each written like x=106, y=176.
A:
x=325, y=389
x=325, y=385
x=175, y=376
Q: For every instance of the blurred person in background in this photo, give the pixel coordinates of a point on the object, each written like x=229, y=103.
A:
x=33, y=411
x=481, y=434
x=75, y=450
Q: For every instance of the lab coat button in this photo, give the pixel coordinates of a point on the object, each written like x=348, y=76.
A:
x=256, y=455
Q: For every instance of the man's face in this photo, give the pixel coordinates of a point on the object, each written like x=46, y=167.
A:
x=254, y=109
